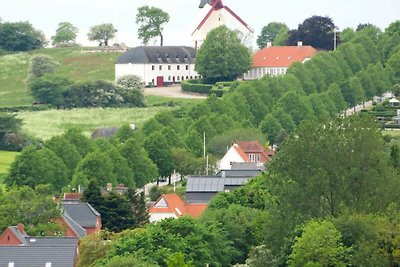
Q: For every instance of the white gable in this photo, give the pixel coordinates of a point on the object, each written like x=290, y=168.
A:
x=231, y=156
x=161, y=203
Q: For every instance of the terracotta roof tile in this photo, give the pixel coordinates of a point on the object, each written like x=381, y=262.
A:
x=175, y=204
x=282, y=56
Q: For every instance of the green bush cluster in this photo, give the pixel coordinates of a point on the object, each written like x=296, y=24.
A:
x=195, y=87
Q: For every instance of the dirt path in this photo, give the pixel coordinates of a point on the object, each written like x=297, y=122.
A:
x=173, y=91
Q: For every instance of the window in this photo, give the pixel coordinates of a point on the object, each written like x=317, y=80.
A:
x=255, y=157
x=177, y=78
x=160, y=67
x=169, y=78
x=48, y=264
x=187, y=67
x=152, y=67
x=187, y=77
x=183, y=78
x=169, y=67
x=11, y=264
x=177, y=67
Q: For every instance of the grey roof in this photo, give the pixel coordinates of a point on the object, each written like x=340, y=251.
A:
x=79, y=230
x=38, y=256
x=247, y=166
x=205, y=184
x=158, y=55
x=104, y=132
x=41, y=241
x=238, y=173
x=82, y=213
x=21, y=237
x=202, y=197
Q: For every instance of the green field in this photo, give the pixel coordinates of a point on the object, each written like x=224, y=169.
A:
x=48, y=123
x=6, y=158
x=76, y=63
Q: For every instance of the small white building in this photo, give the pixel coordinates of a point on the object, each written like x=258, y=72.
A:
x=158, y=65
x=275, y=60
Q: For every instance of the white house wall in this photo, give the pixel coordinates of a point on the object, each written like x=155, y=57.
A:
x=155, y=217
x=256, y=73
x=231, y=156
x=150, y=72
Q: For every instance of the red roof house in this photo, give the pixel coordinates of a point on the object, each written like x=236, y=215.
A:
x=172, y=206
x=245, y=152
x=274, y=60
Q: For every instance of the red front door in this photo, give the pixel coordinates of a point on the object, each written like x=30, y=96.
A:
x=160, y=81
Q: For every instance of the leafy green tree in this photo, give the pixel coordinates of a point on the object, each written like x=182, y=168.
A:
x=40, y=65
x=261, y=256
x=20, y=36
x=335, y=94
x=93, y=247
x=271, y=126
x=351, y=56
x=319, y=245
x=369, y=45
x=281, y=37
x=97, y=166
x=65, y=151
x=178, y=260
x=352, y=91
x=32, y=207
x=194, y=142
x=138, y=204
x=65, y=33
x=222, y=55
x=130, y=87
x=394, y=63
x=346, y=35
x=318, y=105
x=142, y=167
x=128, y=261
x=297, y=106
x=316, y=31
x=34, y=166
x=83, y=144
x=160, y=153
x=302, y=73
x=92, y=195
x=102, y=33
x=49, y=89
x=151, y=22
x=270, y=32
x=9, y=125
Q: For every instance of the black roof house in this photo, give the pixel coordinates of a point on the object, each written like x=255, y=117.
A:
x=158, y=54
x=200, y=189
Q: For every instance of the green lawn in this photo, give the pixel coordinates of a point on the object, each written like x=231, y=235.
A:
x=76, y=63
x=6, y=158
x=394, y=133
x=153, y=100
x=48, y=123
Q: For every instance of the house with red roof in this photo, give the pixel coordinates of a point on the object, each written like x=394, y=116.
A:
x=245, y=152
x=172, y=206
x=275, y=60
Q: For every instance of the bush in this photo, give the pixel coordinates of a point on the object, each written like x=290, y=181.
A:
x=195, y=87
x=218, y=92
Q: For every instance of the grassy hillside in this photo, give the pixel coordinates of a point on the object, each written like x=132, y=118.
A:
x=6, y=158
x=77, y=63
x=48, y=123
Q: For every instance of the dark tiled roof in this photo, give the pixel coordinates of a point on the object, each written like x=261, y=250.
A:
x=42, y=241
x=38, y=256
x=247, y=166
x=158, y=55
x=82, y=213
x=21, y=237
x=104, y=132
x=195, y=197
x=79, y=230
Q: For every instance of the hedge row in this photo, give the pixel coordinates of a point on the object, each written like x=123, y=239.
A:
x=218, y=92
x=195, y=87
x=26, y=108
x=392, y=126
x=232, y=85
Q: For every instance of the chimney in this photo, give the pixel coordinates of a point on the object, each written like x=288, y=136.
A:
x=299, y=43
x=269, y=44
x=109, y=186
x=57, y=198
x=21, y=228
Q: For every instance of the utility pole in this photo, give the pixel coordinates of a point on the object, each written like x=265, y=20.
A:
x=334, y=38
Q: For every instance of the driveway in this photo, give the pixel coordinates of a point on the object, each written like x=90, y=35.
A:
x=173, y=91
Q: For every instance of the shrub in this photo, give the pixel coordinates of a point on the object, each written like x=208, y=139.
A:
x=195, y=87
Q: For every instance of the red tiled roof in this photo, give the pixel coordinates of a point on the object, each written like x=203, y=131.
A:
x=282, y=56
x=248, y=147
x=72, y=196
x=175, y=203
x=241, y=153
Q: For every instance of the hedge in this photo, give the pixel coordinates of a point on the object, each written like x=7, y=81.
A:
x=392, y=126
x=26, y=108
x=218, y=92
x=231, y=85
x=195, y=87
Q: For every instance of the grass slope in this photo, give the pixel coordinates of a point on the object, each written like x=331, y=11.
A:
x=48, y=123
x=77, y=63
x=6, y=158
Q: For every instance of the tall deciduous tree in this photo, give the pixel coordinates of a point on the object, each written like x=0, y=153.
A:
x=151, y=22
x=40, y=65
x=49, y=89
x=270, y=32
x=222, y=55
x=20, y=36
x=102, y=33
x=65, y=33
x=316, y=31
